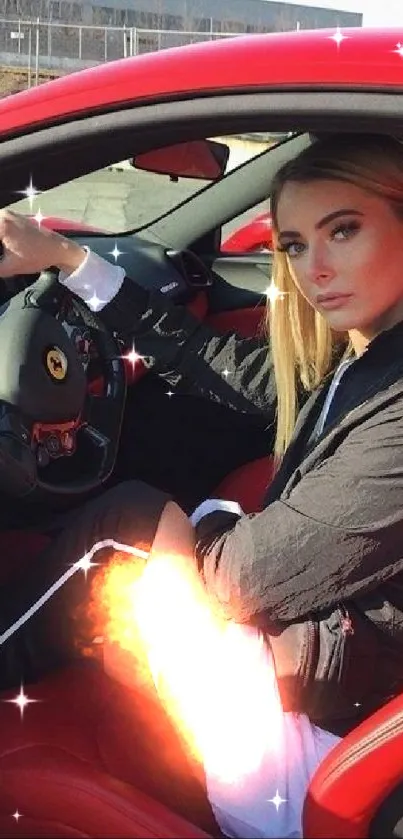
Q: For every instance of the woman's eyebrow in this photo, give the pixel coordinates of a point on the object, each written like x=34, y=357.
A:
x=337, y=213
x=322, y=223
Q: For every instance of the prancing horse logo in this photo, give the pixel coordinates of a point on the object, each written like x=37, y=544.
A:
x=56, y=364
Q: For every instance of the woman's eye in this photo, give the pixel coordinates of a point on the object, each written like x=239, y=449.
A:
x=345, y=231
x=292, y=249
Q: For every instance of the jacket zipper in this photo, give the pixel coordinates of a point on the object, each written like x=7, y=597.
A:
x=346, y=623
x=312, y=652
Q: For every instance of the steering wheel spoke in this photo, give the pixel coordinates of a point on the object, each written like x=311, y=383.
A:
x=47, y=382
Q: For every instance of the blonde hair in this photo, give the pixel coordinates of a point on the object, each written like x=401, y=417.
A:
x=303, y=345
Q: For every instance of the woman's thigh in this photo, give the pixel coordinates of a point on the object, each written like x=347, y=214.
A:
x=55, y=634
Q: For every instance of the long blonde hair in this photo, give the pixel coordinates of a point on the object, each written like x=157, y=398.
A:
x=303, y=345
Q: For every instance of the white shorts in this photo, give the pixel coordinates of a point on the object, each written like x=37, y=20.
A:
x=265, y=795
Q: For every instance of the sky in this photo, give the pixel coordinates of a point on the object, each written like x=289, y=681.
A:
x=376, y=12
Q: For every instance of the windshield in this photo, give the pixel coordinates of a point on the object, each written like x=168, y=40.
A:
x=121, y=198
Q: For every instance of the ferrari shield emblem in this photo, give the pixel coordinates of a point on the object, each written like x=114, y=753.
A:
x=56, y=364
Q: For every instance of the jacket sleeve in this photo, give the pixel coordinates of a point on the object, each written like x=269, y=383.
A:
x=337, y=534
x=189, y=355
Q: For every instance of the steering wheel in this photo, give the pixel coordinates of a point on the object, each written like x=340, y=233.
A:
x=47, y=414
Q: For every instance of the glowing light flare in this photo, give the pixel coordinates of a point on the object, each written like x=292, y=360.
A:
x=133, y=357
x=206, y=671
x=273, y=293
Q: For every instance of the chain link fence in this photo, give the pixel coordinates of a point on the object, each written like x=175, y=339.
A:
x=64, y=47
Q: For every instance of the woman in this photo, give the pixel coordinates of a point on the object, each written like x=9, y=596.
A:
x=318, y=572
x=319, y=569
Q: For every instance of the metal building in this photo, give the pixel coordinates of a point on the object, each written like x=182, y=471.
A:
x=202, y=16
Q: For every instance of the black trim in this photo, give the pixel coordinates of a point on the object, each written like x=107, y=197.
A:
x=192, y=96
x=64, y=152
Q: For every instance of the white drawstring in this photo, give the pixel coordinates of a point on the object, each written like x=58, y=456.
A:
x=83, y=564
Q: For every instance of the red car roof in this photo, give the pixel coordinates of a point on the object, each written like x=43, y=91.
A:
x=348, y=58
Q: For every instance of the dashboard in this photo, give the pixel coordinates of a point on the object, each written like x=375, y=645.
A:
x=177, y=275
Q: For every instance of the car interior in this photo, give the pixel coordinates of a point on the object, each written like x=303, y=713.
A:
x=64, y=767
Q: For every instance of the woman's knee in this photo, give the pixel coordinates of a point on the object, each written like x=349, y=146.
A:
x=174, y=534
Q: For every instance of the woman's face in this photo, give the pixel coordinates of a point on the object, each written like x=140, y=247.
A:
x=345, y=251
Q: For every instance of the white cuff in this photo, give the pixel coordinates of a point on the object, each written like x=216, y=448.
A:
x=96, y=281
x=211, y=505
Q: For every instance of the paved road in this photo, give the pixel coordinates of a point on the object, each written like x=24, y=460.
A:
x=112, y=199
x=121, y=200
x=115, y=199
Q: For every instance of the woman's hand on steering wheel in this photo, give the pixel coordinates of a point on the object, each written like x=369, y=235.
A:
x=29, y=248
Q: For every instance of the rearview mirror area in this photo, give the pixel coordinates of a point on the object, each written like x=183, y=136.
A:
x=199, y=159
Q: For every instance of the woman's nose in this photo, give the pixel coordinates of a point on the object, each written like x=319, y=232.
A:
x=320, y=269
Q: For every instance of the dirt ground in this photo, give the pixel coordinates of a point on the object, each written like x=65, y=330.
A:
x=14, y=79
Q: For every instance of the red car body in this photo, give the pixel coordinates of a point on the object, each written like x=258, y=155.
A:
x=255, y=235
x=63, y=771
x=354, y=58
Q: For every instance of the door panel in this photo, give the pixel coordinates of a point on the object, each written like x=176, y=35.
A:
x=248, y=272
x=236, y=300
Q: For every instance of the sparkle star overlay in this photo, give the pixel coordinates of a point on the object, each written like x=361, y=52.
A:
x=273, y=294
x=95, y=303
x=83, y=564
x=132, y=357
x=116, y=253
x=17, y=816
x=338, y=37
x=30, y=193
x=277, y=800
x=39, y=218
x=21, y=700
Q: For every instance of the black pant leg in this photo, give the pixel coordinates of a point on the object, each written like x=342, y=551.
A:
x=128, y=513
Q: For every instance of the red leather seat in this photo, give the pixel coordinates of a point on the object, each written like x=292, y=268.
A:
x=356, y=777
x=248, y=484
x=56, y=766
x=64, y=769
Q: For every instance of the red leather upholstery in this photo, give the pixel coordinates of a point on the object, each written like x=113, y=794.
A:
x=245, y=322
x=64, y=767
x=53, y=768
x=248, y=484
x=356, y=777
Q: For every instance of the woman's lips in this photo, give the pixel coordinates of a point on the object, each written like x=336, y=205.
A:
x=332, y=301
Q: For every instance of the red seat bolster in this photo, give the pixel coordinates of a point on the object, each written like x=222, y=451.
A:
x=248, y=484
x=356, y=777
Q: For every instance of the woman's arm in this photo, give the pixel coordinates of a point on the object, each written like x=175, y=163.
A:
x=337, y=534
x=192, y=356
x=174, y=344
